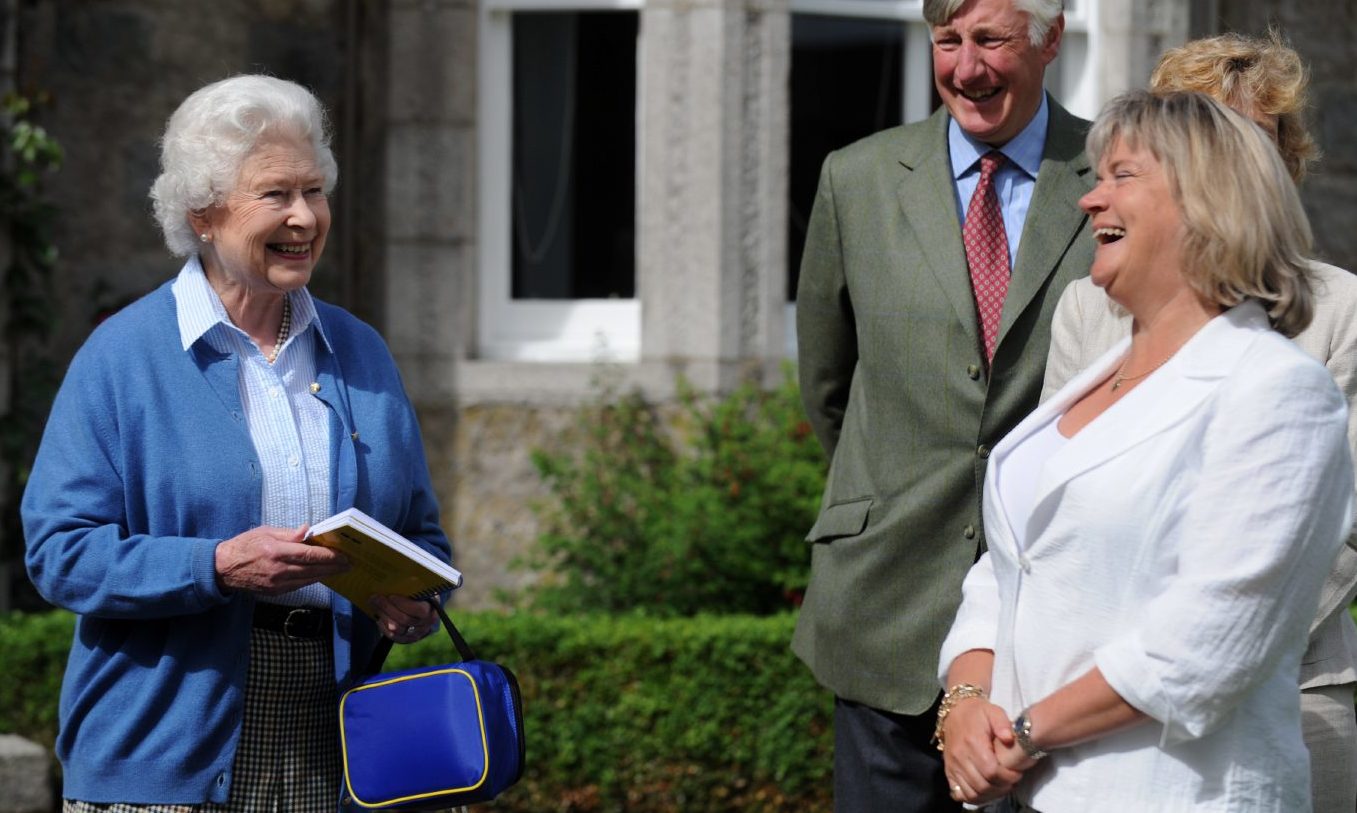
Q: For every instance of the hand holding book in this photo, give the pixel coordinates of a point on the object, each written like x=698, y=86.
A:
x=382, y=562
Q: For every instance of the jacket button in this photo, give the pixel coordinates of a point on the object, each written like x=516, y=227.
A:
x=968, y=532
x=1025, y=563
x=973, y=371
x=983, y=451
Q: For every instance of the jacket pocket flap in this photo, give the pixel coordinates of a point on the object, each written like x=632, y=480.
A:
x=840, y=519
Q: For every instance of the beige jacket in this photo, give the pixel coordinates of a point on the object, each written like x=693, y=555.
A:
x=1087, y=323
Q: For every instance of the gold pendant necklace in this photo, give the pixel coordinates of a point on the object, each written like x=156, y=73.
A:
x=1121, y=372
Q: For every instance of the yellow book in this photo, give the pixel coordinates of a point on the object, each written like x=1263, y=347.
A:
x=381, y=561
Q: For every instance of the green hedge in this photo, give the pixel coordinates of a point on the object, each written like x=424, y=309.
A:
x=701, y=714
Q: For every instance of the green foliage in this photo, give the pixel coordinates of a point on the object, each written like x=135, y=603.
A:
x=635, y=713
x=703, y=508
x=33, y=649
x=27, y=155
x=623, y=713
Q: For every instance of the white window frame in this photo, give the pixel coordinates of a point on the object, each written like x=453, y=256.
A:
x=916, y=81
x=511, y=329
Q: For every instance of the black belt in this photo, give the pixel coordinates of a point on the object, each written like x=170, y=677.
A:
x=301, y=623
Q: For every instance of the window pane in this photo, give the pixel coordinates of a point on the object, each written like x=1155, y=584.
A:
x=574, y=155
x=846, y=84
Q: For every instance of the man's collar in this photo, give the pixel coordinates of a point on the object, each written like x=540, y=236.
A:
x=1024, y=150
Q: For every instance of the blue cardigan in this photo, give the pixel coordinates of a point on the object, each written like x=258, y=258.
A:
x=146, y=465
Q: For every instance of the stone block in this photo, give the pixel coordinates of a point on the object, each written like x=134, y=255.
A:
x=490, y=514
x=427, y=315
x=1336, y=115
x=711, y=247
x=432, y=64
x=25, y=776
x=431, y=175
x=1330, y=201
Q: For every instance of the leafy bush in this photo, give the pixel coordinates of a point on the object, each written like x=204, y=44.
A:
x=33, y=649
x=28, y=155
x=703, y=508
x=626, y=713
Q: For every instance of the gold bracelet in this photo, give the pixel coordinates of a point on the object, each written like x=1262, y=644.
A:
x=950, y=698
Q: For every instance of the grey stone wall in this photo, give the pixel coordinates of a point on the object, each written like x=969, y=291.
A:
x=494, y=488
x=114, y=72
x=1323, y=33
x=111, y=73
x=430, y=222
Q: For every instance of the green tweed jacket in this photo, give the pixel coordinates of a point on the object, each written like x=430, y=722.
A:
x=892, y=379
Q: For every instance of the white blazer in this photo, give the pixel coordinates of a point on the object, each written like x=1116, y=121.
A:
x=1178, y=543
x=1086, y=324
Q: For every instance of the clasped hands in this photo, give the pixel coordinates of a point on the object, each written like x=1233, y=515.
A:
x=982, y=758
x=271, y=561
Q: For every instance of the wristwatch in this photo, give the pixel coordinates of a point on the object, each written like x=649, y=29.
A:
x=1022, y=731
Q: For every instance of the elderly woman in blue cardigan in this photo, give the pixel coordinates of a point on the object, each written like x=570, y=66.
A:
x=197, y=434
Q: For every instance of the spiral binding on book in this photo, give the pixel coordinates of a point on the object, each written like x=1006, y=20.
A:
x=432, y=592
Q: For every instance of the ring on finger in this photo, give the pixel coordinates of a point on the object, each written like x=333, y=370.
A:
x=410, y=630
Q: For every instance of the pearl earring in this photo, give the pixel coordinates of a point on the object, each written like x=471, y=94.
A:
x=205, y=237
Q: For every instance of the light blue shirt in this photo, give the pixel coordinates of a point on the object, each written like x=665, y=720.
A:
x=290, y=429
x=1013, y=182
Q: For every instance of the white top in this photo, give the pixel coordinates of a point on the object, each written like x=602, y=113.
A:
x=1017, y=479
x=1178, y=543
x=1086, y=323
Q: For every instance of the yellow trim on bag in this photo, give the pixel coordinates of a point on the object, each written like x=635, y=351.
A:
x=480, y=718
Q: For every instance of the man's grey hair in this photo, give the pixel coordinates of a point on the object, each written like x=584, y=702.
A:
x=1041, y=15
x=214, y=131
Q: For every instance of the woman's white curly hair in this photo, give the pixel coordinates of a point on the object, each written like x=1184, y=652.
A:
x=214, y=131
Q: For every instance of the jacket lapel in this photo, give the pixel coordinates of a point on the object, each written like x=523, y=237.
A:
x=1045, y=412
x=927, y=199
x=1174, y=394
x=1053, y=218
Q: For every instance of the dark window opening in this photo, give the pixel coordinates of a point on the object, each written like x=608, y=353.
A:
x=846, y=84
x=574, y=155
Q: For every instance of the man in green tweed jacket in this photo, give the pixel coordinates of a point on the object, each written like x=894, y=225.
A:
x=897, y=379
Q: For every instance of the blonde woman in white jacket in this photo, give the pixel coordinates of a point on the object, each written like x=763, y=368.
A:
x=1159, y=529
x=1265, y=80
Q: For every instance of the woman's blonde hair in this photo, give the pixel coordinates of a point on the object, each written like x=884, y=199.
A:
x=1245, y=233
x=1256, y=74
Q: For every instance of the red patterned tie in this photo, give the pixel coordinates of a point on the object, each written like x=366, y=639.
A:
x=987, y=252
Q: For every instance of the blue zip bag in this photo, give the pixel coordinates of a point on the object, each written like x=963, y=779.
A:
x=434, y=737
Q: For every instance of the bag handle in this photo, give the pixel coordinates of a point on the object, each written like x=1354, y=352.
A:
x=384, y=645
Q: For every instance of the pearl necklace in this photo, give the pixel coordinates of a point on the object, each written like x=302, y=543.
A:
x=284, y=330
